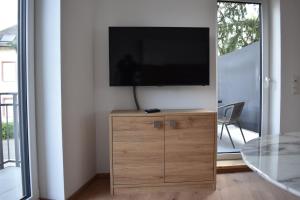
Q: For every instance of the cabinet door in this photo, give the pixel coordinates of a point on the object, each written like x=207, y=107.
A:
x=189, y=148
x=138, y=150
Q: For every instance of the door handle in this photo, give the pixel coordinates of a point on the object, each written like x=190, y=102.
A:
x=172, y=123
x=268, y=80
x=157, y=124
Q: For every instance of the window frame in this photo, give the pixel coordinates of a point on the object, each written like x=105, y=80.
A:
x=265, y=90
x=27, y=97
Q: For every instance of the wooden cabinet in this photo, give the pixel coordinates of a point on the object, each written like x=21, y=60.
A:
x=166, y=150
x=189, y=148
x=138, y=150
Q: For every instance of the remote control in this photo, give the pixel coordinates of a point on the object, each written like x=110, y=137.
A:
x=152, y=110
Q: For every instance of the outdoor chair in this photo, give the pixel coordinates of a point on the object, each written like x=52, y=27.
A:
x=230, y=115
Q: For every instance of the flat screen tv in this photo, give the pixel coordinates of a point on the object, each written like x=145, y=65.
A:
x=158, y=56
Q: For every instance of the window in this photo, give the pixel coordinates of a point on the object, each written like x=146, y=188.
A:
x=9, y=71
x=15, y=178
x=239, y=74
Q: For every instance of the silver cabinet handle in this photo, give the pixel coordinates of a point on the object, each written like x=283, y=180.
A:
x=173, y=123
x=157, y=124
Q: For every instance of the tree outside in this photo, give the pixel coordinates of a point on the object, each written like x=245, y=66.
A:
x=238, y=26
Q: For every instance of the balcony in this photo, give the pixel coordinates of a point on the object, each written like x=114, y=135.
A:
x=224, y=144
x=239, y=80
x=10, y=159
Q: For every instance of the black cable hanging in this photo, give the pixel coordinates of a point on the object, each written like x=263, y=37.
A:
x=135, y=98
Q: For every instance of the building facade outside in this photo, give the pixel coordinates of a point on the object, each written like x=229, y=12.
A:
x=8, y=71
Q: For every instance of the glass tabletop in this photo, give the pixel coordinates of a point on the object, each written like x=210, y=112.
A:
x=277, y=159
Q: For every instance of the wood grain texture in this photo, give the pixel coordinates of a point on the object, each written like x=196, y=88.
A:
x=237, y=186
x=140, y=149
x=137, y=148
x=111, y=154
x=189, y=148
x=231, y=166
x=202, y=186
x=85, y=186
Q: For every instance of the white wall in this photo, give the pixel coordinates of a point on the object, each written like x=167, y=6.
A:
x=8, y=55
x=48, y=99
x=77, y=93
x=147, y=13
x=275, y=67
x=284, y=65
x=290, y=48
x=65, y=96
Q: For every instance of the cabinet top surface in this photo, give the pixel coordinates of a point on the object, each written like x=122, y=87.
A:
x=163, y=112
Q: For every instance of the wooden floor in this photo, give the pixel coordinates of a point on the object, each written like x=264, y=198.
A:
x=236, y=186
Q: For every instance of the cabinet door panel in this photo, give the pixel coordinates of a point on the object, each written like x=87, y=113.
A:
x=138, y=150
x=189, y=148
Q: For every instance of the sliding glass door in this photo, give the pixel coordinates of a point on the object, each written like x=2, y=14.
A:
x=14, y=155
x=239, y=74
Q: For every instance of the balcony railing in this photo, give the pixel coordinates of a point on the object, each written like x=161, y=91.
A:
x=9, y=130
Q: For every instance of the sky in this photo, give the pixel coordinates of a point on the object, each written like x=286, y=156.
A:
x=8, y=13
x=252, y=10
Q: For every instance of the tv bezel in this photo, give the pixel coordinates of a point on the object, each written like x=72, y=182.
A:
x=160, y=27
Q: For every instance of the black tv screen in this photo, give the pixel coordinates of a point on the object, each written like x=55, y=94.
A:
x=158, y=56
